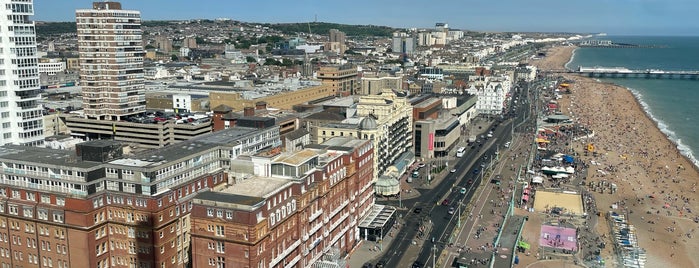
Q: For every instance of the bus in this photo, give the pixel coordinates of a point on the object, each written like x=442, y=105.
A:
x=460, y=152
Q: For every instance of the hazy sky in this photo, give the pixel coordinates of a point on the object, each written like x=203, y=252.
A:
x=637, y=17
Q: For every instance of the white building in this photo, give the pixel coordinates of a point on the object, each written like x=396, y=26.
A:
x=52, y=67
x=111, y=61
x=491, y=91
x=20, y=111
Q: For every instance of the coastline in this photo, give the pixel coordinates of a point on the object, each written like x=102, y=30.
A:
x=647, y=164
x=671, y=135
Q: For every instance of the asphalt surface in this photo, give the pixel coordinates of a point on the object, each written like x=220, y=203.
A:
x=431, y=200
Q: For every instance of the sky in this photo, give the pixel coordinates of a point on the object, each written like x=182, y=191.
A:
x=614, y=17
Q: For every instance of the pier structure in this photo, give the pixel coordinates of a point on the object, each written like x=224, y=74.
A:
x=621, y=72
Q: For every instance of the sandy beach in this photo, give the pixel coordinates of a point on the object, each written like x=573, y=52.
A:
x=656, y=184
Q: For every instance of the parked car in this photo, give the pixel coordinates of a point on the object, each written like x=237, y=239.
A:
x=445, y=202
x=462, y=190
x=451, y=210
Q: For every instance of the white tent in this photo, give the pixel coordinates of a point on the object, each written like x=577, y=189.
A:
x=570, y=170
x=537, y=179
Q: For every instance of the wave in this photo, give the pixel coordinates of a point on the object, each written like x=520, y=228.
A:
x=671, y=135
x=572, y=57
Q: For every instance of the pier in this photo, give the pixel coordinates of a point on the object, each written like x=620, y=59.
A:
x=610, y=44
x=620, y=72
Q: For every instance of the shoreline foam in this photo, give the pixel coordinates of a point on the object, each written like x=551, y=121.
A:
x=670, y=134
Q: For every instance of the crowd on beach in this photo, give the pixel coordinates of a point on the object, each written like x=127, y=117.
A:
x=656, y=184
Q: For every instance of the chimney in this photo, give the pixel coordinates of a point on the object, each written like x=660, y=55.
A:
x=261, y=105
x=249, y=111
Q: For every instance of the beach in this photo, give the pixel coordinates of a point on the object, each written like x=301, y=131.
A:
x=656, y=184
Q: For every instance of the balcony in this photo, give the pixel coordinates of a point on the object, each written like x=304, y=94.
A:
x=315, y=228
x=284, y=253
x=315, y=215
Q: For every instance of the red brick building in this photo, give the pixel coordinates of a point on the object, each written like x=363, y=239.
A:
x=298, y=208
x=95, y=207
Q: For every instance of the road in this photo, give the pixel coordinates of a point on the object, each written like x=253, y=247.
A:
x=430, y=200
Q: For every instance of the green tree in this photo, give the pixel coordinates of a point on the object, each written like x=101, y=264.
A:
x=174, y=58
x=250, y=59
x=271, y=61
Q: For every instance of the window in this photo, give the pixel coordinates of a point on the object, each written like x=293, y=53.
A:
x=220, y=247
x=220, y=231
x=229, y=215
x=210, y=212
x=45, y=199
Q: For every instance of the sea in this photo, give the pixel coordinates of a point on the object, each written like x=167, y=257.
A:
x=672, y=103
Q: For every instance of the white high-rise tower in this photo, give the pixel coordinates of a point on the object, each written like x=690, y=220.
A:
x=21, y=118
x=111, y=61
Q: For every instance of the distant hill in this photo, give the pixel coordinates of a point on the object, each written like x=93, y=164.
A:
x=323, y=28
x=55, y=28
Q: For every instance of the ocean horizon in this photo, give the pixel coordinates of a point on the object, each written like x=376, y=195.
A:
x=668, y=102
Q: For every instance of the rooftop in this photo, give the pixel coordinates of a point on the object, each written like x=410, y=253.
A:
x=257, y=187
x=297, y=158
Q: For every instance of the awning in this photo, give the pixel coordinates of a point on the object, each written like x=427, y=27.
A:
x=540, y=140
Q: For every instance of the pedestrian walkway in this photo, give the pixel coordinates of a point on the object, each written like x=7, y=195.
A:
x=485, y=215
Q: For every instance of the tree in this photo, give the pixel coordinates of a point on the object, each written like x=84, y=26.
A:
x=250, y=59
x=174, y=58
x=271, y=61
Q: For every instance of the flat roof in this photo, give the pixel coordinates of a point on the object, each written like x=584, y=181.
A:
x=185, y=148
x=56, y=157
x=297, y=158
x=261, y=187
x=230, y=198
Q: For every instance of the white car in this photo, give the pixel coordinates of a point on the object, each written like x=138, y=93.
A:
x=507, y=144
x=453, y=170
x=421, y=165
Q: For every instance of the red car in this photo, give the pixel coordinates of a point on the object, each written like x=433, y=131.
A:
x=445, y=202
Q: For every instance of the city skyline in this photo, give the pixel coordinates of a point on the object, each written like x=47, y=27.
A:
x=627, y=17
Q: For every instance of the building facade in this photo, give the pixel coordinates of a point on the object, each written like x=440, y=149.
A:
x=384, y=119
x=373, y=84
x=342, y=79
x=111, y=61
x=20, y=111
x=95, y=207
x=299, y=210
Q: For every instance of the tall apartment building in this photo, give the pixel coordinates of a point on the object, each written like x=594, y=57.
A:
x=111, y=61
x=20, y=111
x=337, y=36
x=96, y=207
x=302, y=209
x=404, y=45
